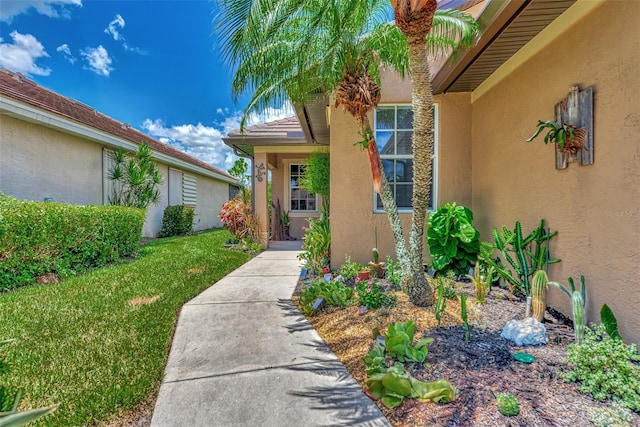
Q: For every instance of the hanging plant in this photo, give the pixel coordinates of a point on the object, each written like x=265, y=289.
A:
x=569, y=138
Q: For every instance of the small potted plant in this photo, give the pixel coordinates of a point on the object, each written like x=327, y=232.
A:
x=569, y=138
x=376, y=267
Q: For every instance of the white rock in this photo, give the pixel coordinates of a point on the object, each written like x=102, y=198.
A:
x=527, y=331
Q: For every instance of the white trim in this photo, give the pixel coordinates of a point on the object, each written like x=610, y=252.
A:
x=287, y=191
x=32, y=114
x=434, y=172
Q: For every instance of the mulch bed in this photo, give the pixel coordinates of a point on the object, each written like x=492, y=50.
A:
x=480, y=368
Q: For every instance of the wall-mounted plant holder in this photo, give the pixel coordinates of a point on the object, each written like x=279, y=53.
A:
x=576, y=110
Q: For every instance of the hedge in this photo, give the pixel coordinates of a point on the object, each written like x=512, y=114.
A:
x=38, y=238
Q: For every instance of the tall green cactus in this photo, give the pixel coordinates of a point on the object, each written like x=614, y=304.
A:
x=524, y=255
x=441, y=303
x=578, y=301
x=376, y=255
x=539, y=294
x=577, y=304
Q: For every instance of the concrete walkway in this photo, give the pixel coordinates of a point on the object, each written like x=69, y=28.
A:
x=243, y=355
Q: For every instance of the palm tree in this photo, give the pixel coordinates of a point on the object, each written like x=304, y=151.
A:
x=296, y=49
x=419, y=22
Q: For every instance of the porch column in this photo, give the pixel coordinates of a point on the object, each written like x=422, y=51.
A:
x=260, y=169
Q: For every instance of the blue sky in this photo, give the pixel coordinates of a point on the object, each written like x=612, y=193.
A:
x=152, y=64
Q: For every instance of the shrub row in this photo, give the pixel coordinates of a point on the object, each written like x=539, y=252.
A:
x=39, y=238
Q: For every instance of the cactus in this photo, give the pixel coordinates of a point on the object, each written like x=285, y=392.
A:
x=481, y=283
x=465, y=318
x=539, y=294
x=520, y=253
x=376, y=255
x=508, y=404
x=441, y=303
x=578, y=301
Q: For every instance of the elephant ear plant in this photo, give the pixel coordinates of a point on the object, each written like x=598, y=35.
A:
x=453, y=241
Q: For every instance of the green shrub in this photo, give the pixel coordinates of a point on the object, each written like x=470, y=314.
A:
x=605, y=367
x=177, y=221
x=371, y=296
x=39, y=238
x=334, y=294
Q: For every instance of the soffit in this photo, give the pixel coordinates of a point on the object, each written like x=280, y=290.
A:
x=506, y=26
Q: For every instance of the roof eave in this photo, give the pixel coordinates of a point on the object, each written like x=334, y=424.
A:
x=492, y=21
x=13, y=108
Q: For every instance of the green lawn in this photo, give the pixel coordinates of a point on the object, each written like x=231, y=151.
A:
x=98, y=343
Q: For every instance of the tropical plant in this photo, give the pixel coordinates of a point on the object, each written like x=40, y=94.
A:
x=371, y=296
x=335, y=293
x=292, y=49
x=135, y=178
x=609, y=321
x=239, y=170
x=605, y=367
x=316, y=243
x=481, y=283
x=559, y=134
x=507, y=404
x=525, y=255
x=578, y=301
x=316, y=177
x=237, y=216
x=453, y=241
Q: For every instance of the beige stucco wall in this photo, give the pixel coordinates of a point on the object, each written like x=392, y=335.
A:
x=595, y=208
x=353, y=222
x=37, y=162
x=29, y=152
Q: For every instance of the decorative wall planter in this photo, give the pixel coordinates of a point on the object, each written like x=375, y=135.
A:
x=576, y=110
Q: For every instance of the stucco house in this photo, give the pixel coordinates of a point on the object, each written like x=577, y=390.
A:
x=55, y=148
x=488, y=102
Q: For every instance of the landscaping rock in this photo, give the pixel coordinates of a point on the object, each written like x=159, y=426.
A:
x=527, y=331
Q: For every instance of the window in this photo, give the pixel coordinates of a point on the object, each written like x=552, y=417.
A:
x=300, y=200
x=394, y=128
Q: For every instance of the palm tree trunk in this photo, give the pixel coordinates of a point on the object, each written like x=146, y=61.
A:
x=386, y=195
x=420, y=291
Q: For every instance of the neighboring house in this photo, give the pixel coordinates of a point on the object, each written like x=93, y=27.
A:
x=55, y=148
x=487, y=104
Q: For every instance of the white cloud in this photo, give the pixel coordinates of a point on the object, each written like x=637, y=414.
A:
x=66, y=52
x=205, y=142
x=200, y=141
x=51, y=8
x=113, y=27
x=21, y=55
x=98, y=60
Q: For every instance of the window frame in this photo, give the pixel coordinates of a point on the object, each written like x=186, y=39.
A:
x=288, y=189
x=434, y=171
